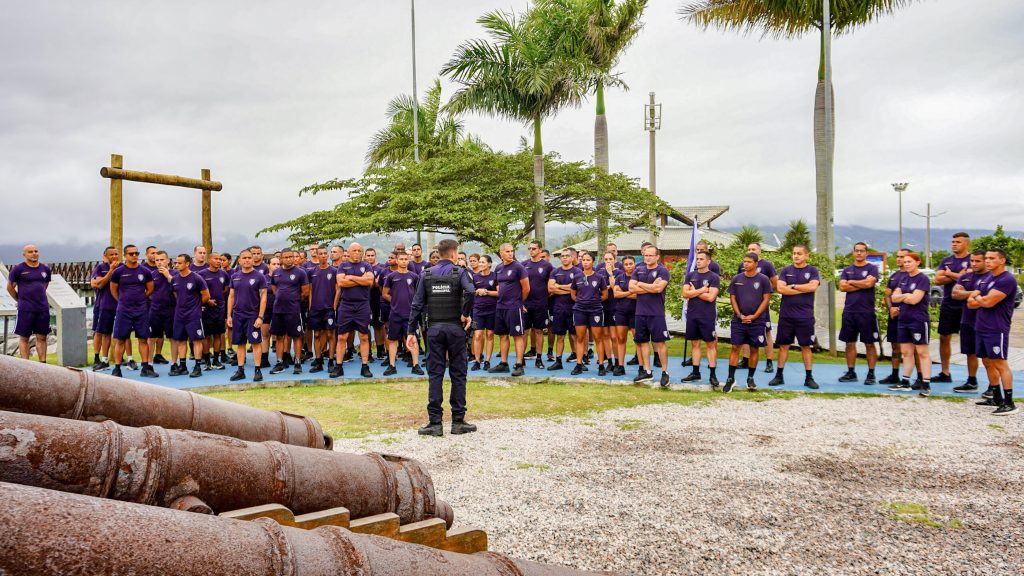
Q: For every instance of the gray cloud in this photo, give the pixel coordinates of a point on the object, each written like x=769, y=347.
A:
x=273, y=96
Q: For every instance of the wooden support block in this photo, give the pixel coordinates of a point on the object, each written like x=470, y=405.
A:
x=465, y=540
x=430, y=532
x=275, y=512
x=331, y=517
x=386, y=525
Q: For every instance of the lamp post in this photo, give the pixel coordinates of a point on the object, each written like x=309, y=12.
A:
x=652, y=123
x=900, y=187
x=928, y=233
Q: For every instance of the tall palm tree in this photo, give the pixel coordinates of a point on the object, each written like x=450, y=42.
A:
x=439, y=131
x=595, y=32
x=517, y=75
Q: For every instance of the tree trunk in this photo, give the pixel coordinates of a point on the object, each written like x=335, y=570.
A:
x=601, y=162
x=538, y=181
x=823, y=213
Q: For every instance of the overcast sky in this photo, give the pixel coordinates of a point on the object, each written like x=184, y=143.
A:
x=272, y=96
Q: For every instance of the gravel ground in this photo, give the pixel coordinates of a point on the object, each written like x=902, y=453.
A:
x=777, y=487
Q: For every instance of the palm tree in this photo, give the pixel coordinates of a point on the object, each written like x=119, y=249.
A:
x=439, y=131
x=747, y=235
x=798, y=233
x=595, y=32
x=518, y=76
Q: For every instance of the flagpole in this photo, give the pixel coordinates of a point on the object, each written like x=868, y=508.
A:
x=691, y=260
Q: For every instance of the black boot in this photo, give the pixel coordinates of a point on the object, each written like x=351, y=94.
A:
x=432, y=429
x=460, y=426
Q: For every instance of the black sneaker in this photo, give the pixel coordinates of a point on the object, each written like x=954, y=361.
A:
x=917, y=385
x=316, y=366
x=890, y=379
x=850, y=376
x=634, y=361
x=539, y=364
x=643, y=376
x=729, y=383
x=601, y=370
x=810, y=383
x=207, y=365
x=104, y=366
x=159, y=359
x=297, y=369
x=391, y=371
x=307, y=355
x=577, y=370
x=571, y=358
x=988, y=393
x=557, y=365
x=177, y=370
x=901, y=386
x=499, y=368
x=417, y=370
x=462, y=427
x=966, y=388
x=619, y=370
x=751, y=385
x=257, y=376
x=713, y=380
x=925, y=392
x=238, y=375
x=278, y=368
x=337, y=371
x=148, y=372
x=665, y=380
x=530, y=354
x=365, y=371
x=116, y=371
x=385, y=363
x=1005, y=410
x=216, y=364
x=474, y=366
x=132, y=365
x=743, y=365
x=551, y=356
x=432, y=429
x=196, y=372
x=987, y=402
x=487, y=366
x=769, y=367
x=779, y=380
x=692, y=377
x=870, y=379
x=517, y=370
x=942, y=377
x=96, y=366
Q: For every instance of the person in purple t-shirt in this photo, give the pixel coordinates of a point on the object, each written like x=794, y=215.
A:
x=764, y=266
x=951, y=309
x=131, y=285
x=161, y=308
x=610, y=267
x=648, y=283
x=376, y=322
x=27, y=284
x=513, y=290
x=104, y=308
x=218, y=281
x=703, y=246
x=797, y=284
x=912, y=297
x=190, y=294
x=965, y=285
x=589, y=290
x=291, y=287
x=535, y=319
x=859, y=321
x=355, y=278
x=398, y=290
x=700, y=289
x=417, y=264
x=994, y=299
x=485, y=303
x=893, y=329
x=624, y=317
x=323, y=287
x=247, y=302
x=750, y=293
x=559, y=287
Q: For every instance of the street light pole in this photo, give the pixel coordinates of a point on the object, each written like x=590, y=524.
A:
x=652, y=123
x=900, y=187
x=416, y=112
x=928, y=233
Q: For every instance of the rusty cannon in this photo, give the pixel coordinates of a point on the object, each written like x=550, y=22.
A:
x=47, y=532
x=201, y=472
x=36, y=388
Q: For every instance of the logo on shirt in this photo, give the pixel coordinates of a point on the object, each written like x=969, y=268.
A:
x=44, y=274
x=408, y=281
x=807, y=275
x=963, y=264
x=864, y=273
x=140, y=277
x=757, y=285
x=490, y=282
x=221, y=280
x=188, y=286
x=330, y=321
x=329, y=275
x=291, y=276
x=252, y=281
x=706, y=283
x=597, y=318
x=760, y=338
x=594, y=283
x=508, y=273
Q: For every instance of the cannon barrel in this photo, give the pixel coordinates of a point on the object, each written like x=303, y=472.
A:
x=206, y=473
x=36, y=388
x=47, y=532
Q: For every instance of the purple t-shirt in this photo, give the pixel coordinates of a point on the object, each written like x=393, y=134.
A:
x=104, y=301
x=969, y=281
x=402, y=287
x=763, y=267
x=289, y=284
x=650, y=304
x=323, y=285
x=997, y=318
x=188, y=294
x=863, y=300
x=161, y=301
x=31, y=283
x=799, y=305
x=695, y=307
x=356, y=295
x=908, y=285
x=894, y=282
x=624, y=305
x=418, y=267
x=609, y=279
x=218, y=283
x=957, y=265
x=510, y=293
x=262, y=268
x=538, y=274
x=485, y=304
x=246, y=287
x=131, y=288
x=562, y=277
x=749, y=292
x=588, y=291
x=714, y=267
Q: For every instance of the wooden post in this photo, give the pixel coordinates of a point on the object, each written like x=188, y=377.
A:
x=207, y=218
x=116, y=206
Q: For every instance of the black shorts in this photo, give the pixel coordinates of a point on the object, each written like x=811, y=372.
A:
x=892, y=333
x=949, y=318
x=859, y=325
x=701, y=329
x=968, y=340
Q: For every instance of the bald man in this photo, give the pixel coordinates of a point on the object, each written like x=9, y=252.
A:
x=27, y=284
x=352, y=302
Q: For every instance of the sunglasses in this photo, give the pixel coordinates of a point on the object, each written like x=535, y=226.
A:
x=131, y=253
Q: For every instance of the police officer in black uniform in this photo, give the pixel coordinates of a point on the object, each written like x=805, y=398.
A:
x=445, y=293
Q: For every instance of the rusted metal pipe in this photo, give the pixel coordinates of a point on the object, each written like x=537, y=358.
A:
x=199, y=472
x=36, y=388
x=47, y=532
